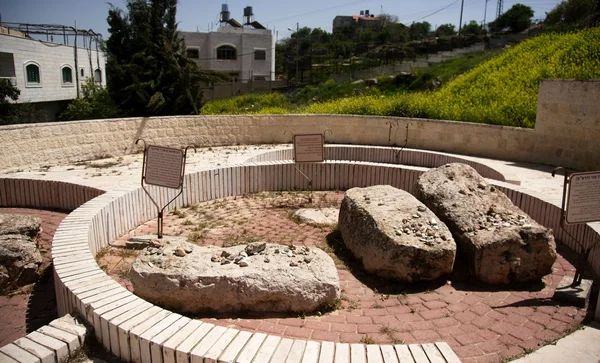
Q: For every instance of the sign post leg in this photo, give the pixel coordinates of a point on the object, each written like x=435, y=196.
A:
x=160, y=224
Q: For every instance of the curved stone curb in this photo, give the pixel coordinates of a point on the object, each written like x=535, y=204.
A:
x=55, y=342
x=136, y=330
x=385, y=155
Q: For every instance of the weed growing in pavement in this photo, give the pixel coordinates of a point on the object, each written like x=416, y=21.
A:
x=195, y=237
x=178, y=212
x=125, y=253
x=328, y=307
x=367, y=340
x=377, y=306
x=352, y=304
x=102, y=252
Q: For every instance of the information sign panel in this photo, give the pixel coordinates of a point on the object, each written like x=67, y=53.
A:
x=583, y=203
x=163, y=166
x=309, y=148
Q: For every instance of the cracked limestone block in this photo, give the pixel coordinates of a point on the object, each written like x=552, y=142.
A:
x=258, y=277
x=394, y=235
x=500, y=243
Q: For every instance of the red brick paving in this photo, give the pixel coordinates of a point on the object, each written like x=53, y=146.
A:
x=22, y=313
x=481, y=325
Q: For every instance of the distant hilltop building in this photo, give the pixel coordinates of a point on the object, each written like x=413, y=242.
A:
x=246, y=52
x=49, y=73
x=356, y=23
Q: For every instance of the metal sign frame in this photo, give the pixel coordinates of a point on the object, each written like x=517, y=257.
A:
x=170, y=186
x=563, y=220
x=595, y=175
x=311, y=178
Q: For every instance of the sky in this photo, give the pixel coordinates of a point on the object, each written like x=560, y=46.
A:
x=278, y=15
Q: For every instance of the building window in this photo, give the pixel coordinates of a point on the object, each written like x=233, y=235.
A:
x=67, y=75
x=81, y=72
x=260, y=55
x=32, y=71
x=97, y=75
x=193, y=53
x=226, y=52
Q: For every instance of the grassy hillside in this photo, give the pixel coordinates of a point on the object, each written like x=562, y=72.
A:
x=502, y=90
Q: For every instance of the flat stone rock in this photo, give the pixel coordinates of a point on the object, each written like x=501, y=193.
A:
x=318, y=216
x=499, y=241
x=394, y=235
x=212, y=279
x=19, y=224
x=143, y=241
x=20, y=261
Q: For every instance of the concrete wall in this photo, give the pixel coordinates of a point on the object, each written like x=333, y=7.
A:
x=554, y=142
x=51, y=58
x=245, y=41
x=407, y=66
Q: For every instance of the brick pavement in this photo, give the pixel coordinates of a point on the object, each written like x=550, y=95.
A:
x=25, y=312
x=480, y=323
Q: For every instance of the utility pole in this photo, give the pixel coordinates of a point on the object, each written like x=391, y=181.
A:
x=462, y=6
x=76, y=65
x=297, y=49
x=485, y=17
x=500, y=8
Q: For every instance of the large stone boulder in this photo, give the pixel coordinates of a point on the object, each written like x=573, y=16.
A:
x=394, y=235
x=20, y=261
x=258, y=277
x=500, y=242
x=19, y=224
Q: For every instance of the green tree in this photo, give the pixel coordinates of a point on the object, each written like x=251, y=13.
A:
x=148, y=71
x=516, y=19
x=96, y=103
x=366, y=36
x=8, y=110
x=445, y=30
x=420, y=30
x=472, y=28
x=573, y=12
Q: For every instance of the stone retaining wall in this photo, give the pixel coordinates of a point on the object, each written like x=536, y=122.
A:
x=566, y=133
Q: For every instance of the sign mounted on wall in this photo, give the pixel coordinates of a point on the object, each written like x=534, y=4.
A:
x=309, y=148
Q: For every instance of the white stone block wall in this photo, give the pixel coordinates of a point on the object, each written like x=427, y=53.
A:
x=50, y=58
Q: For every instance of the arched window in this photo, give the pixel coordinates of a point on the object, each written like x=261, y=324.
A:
x=81, y=73
x=226, y=52
x=32, y=74
x=98, y=75
x=67, y=75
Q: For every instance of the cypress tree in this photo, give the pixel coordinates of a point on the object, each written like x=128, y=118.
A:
x=148, y=71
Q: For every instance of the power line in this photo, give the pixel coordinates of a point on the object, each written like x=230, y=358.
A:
x=317, y=11
x=437, y=11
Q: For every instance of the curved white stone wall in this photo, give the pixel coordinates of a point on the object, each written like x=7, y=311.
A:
x=136, y=330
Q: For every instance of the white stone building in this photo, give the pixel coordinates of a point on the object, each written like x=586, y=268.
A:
x=245, y=52
x=47, y=73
